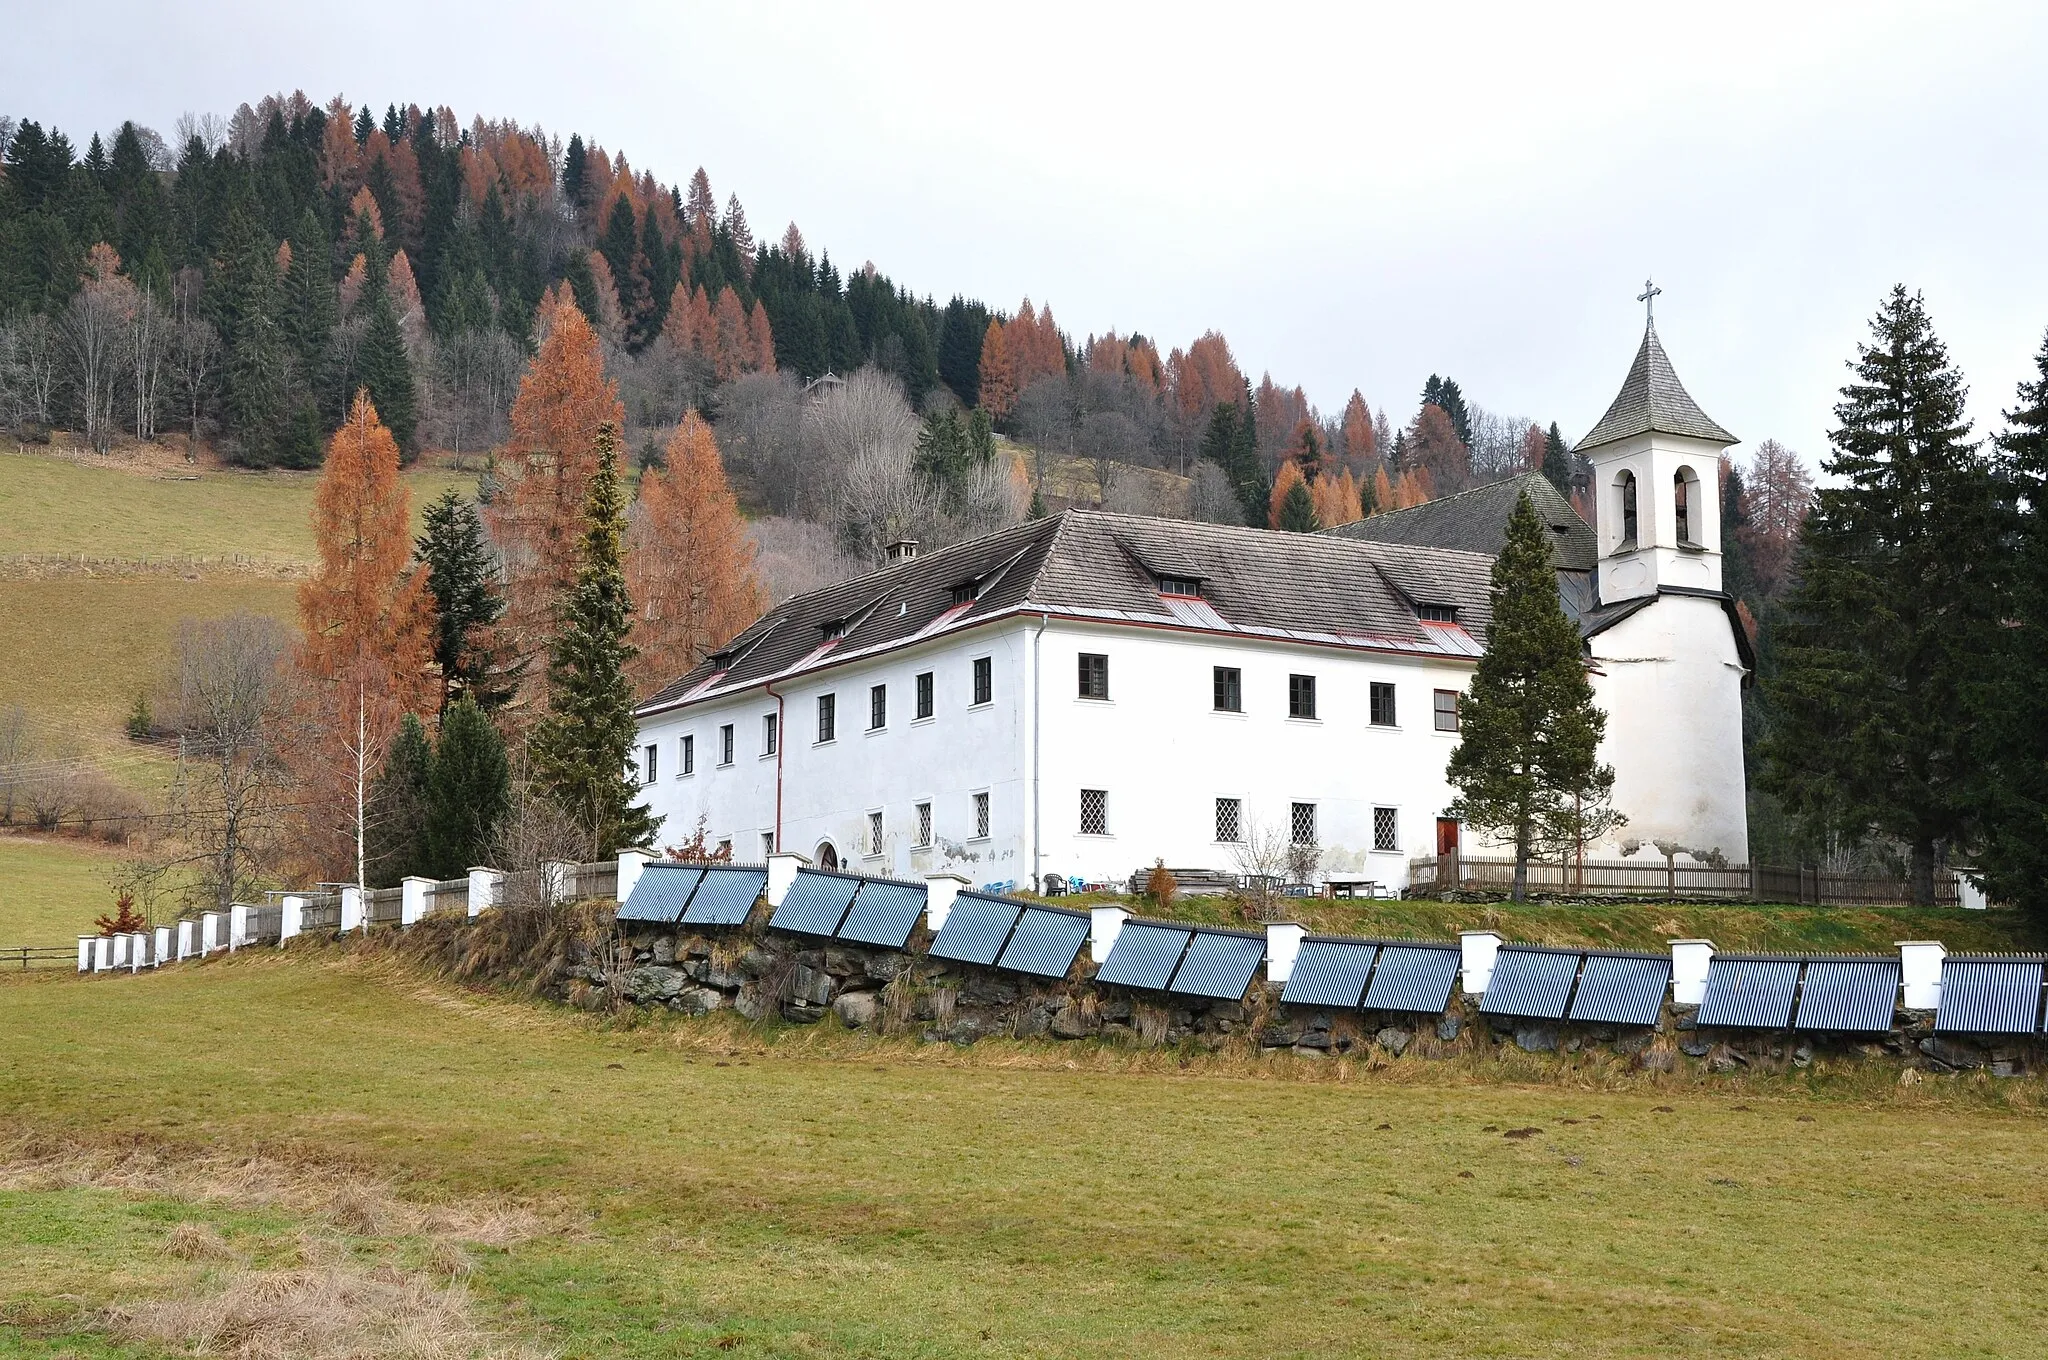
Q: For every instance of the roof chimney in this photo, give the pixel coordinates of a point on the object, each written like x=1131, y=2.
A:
x=902, y=550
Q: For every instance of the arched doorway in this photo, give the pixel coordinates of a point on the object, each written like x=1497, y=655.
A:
x=827, y=857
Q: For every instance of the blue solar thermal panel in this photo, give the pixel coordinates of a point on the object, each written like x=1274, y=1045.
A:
x=1219, y=965
x=884, y=914
x=815, y=903
x=975, y=929
x=1849, y=994
x=1144, y=955
x=1749, y=993
x=1045, y=942
x=1413, y=977
x=726, y=897
x=1533, y=983
x=1330, y=973
x=661, y=894
x=1989, y=996
x=1622, y=989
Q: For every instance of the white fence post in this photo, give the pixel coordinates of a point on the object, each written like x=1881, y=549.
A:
x=1970, y=895
x=238, y=926
x=163, y=947
x=782, y=867
x=1478, y=949
x=484, y=884
x=291, y=916
x=102, y=954
x=185, y=935
x=1283, y=947
x=1104, y=925
x=138, y=951
x=1689, y=961
x=119, y=956
x=412, y=899
x=352, y=909
x=85, y=953
x=1920, y=973
x=939, y=891
x=632, y=862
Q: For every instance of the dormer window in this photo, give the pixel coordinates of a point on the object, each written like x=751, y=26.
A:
x=1627, y=486
x=833, y=628
x=1180, y=585
x=1437, y=613
x=967, y=592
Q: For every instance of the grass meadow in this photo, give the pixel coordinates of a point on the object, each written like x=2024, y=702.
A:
x=330, y=1146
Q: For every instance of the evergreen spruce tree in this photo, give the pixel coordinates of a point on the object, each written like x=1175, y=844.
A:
x=468, y=792
x=462, y=577
x=945, y=454
x=1738, y=577
x=582, y=749
x=575, y=173
x=382, y=362
x=1527, y=761
x=1557, y=461
x=2013, y=713
x=1298, y=511
x=258, y=361
x=981, y=435
x=397, y=831
x=1897, y=607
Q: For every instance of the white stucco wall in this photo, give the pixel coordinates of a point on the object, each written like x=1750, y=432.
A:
x=829, y=789
x=1671, y=685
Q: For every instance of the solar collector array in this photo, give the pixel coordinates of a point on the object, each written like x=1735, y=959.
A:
x=883, y=914
x=1989, y=996
x=1622, y=989
x=1746, y=992
x=1145, y=955
x=661, y=894
x=725, y=897
x=1531, y=983
x=1413, y=977
x=1330, y=972
x=1219, y=965
x=1848, y=995
x=976, y=928
x=816, y=903
x=1045, y=942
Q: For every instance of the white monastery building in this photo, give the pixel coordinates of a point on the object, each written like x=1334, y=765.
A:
x=1083, y=694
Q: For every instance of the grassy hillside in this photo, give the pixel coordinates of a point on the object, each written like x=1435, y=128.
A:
x=50, y=890
x=698, y=1188
x=55, y=505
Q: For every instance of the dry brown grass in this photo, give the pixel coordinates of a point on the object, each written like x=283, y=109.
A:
x=335, y=1301
x=360, y=1205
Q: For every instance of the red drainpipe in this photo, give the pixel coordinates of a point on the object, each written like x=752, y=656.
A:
x=781, y=740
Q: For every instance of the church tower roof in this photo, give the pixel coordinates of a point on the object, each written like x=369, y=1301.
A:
x=1652, y=399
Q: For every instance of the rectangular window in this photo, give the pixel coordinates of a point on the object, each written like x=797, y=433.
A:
x=878, y=707
x=1094, y=812
x=1301, y=696
x=725, y=744
x=768, y=734
x=828, y=717
x=1447, y=710
x=981, y=816
x=1229, y=820
x=690, y=754
x=1094, y=676
x=1386, y=829
x=649, y=772
x=924, y=824
x=1382, y=705
x=874, y=833
x=984, y=680
x=1302, y=825
x=924, y=694
x=767, y=844
x=725, y=848
x=1229, y=689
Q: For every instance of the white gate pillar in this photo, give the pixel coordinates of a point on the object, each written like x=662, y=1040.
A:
x=352, y=909
x=412, y=899
x=484, y=886
x=291, y=916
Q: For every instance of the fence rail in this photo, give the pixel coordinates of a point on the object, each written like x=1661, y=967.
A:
x=25, y=956
x=1742, y=882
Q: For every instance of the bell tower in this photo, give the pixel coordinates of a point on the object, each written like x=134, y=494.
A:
x=1656, y=460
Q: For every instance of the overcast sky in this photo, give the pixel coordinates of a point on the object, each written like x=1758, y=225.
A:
x=1356, y=196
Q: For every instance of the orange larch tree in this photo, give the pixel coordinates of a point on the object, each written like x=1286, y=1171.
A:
x=732, y=346
x=367, y=645
x=689, y=560
x=998, y=376
x=1288, y=478
x=763, y=338
x=537, y=521
x=1361, y=449
x=1336, y=498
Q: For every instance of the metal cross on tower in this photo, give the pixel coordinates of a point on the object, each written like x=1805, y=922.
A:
x=1648, y=297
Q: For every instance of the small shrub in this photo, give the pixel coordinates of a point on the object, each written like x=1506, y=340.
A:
x=141, y=724
x=126, y=920
x=1160, y=884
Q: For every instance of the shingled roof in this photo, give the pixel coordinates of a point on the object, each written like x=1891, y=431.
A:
x=1308, y=588
x=1477, y=521
x=1652, y=398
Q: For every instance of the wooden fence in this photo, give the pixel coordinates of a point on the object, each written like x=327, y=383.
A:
x=1687, y=881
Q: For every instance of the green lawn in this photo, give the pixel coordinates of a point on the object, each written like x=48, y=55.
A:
x=719, y=1190
x=50, y=890
x=53, y=505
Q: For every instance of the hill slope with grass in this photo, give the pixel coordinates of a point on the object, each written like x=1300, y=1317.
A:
x=704, y=1188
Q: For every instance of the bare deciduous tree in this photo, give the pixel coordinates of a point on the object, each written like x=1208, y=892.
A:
x=28, y=367
x=149, y=345
x=1260, y=858
x=228, y=790
x=867, y=430
x=796, y=555
x=194, y=354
